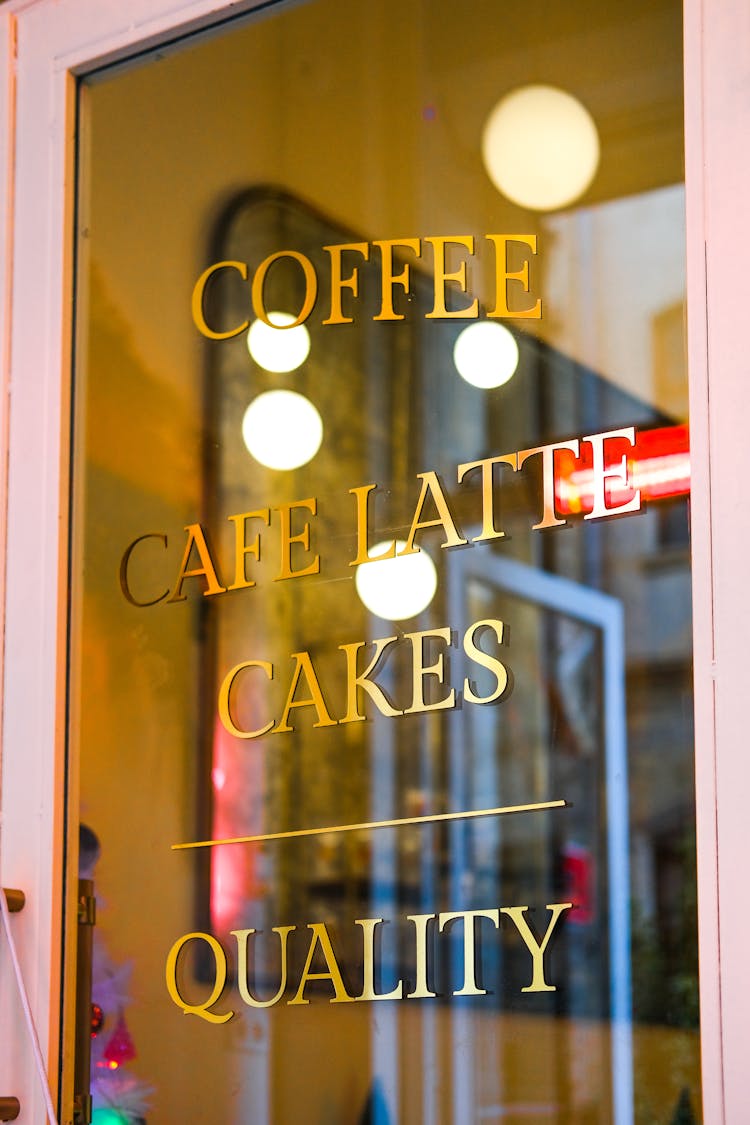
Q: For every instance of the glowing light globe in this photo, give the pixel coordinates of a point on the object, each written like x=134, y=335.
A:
x=540, y=147
x=282, y=429
x=397, y=587
x=486, y=354
x=278, y=349
x=106, y=1116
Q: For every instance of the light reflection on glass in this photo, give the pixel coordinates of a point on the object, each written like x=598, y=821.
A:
x=486, y=354
x=397, y=587
x=540, y=147
x=279, y=349
x=282, y=429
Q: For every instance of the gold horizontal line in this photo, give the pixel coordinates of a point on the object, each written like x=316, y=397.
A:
x=472, y=814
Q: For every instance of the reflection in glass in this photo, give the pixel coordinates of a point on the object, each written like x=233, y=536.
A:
x=282, y=429
x=397, y=587
x=280, y=348
x=486, y=354
x=540, y=147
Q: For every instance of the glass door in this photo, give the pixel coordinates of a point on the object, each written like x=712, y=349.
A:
x=380, y=683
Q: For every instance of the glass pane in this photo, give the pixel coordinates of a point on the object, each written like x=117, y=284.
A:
x=380, y=680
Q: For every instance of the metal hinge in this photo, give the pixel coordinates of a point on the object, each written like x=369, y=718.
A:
x=82, y=1109
x=86, y=910
x=11, y=1107
x=16, y=901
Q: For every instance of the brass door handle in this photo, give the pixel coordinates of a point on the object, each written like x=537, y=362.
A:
x=16, y=901
x=9, y=1109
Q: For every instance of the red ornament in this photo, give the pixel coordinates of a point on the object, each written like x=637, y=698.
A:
x=97, y=1019
x=120, y=1048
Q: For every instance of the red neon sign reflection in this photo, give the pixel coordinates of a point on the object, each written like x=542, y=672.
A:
x=658, y=465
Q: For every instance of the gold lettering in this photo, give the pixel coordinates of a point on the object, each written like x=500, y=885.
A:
x=469, y=987
x=503, y=276
x=242, y=966
x=498, y=669
x=225, y=714
x=431, y=487
x=489, y=531
x=220, y=979
x=305, y=665
x=354, y=681
x=196, y=303
x=388, y=278
x=311, y=287
x=420, y=672
x=288, y=540
x=549, y=519
x=440, y=277
x=125, y=562
x=362, y=494
x=368, y=967
x=421, y=923
x=391, y=277
x=197, y=538
x=535, y=948
x=321, y=938
x=338, y=282
x=242, y=548
x=618, y=472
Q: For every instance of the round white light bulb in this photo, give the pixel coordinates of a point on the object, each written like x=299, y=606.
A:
x=486, y=354
x=282, y=429
x=397, y=587
x=540, y=147
x=278, y=349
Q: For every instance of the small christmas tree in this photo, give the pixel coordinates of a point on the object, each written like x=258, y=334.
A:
x=118, y=1096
